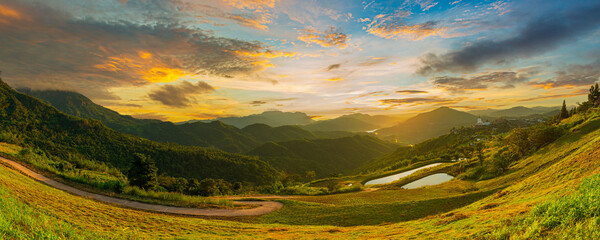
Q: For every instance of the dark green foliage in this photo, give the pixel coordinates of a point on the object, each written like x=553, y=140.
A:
x=525, y=141
x=324, y=156
x=62, y=136
x=594, y=95
x=563, y=112
x=143, y=173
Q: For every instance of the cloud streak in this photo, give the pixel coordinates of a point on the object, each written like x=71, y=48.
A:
x=180, y=95
x=484, y=81
x=573, y=76
x=538, y=36
x=416, y=101
x=331, y=37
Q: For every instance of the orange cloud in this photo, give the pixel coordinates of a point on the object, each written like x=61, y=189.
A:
x=143, y=66
x=414, y=32
x=145, y=55
x=267, y=54
x=334, y=79
x=259, y=5
x=163, y=74
x=331, y=37
x=7, y=14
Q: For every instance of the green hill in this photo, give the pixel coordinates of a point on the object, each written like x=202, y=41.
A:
x=444, y=146
x=324, y=156
x=352, y=123
x=42, y=126
x=427, y=125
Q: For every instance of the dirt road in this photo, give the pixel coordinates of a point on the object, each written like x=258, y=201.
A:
x=264, y=206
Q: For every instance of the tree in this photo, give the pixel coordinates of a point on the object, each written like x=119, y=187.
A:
x=143, y=172
x=310, y=175
x=564, y=113
x=594, y=96
x=518, y=140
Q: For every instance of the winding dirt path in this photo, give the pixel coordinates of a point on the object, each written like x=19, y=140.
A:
x=264, y=206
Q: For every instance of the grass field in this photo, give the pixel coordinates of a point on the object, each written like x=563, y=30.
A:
x=535, y=191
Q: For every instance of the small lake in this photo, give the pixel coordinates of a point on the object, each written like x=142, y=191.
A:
x=391, y=178
x=433, y=179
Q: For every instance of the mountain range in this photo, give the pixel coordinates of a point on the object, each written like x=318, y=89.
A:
x=518, y=111
x=271, y=118
x=427, y=125
x=357, y=122
x=215, y=134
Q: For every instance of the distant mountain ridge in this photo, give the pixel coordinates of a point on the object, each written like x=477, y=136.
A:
x=427, y=125
x=518, y=111
x=357, y=122
x=215, y=134
x=271, y=118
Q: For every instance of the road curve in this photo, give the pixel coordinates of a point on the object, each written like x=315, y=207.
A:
x=264, y=206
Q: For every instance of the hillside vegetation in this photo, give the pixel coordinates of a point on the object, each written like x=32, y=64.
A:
x=536, y=189
x=38, y=125
x=324, y=156
x=216, y=134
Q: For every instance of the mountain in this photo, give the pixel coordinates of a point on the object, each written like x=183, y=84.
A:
x=67, y=137
x=324, y=156
x=353, y=123
x=427, y=125
x=78, y=105
x=215, y=134
x=518, y=111
x=271, y=118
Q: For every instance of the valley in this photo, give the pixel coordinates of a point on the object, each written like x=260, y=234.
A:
x=463, y=183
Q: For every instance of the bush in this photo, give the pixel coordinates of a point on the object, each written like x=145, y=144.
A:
x=9, y=137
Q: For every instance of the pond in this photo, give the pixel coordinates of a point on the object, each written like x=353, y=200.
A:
x=391, y=178
x=433, y=179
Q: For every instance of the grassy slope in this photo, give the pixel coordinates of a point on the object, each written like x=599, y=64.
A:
x=554, y=171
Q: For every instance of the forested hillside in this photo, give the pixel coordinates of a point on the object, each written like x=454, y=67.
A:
x=214, y=134
x=39, y=125
x=324, y=156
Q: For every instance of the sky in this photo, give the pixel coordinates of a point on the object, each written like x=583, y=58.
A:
x=179, y=60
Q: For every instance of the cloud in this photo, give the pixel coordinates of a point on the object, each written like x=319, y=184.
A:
x=330, y=37
x=394, y=26
x=44, y=48
x=415, y=101
x=538, y=36
x=180, y=95
x=575, y=93
x=258, y=5
x=484, y=81
x=426, y=4
x=333, y=66
x=411, y=91
x=257, y=103
x=573, y=76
